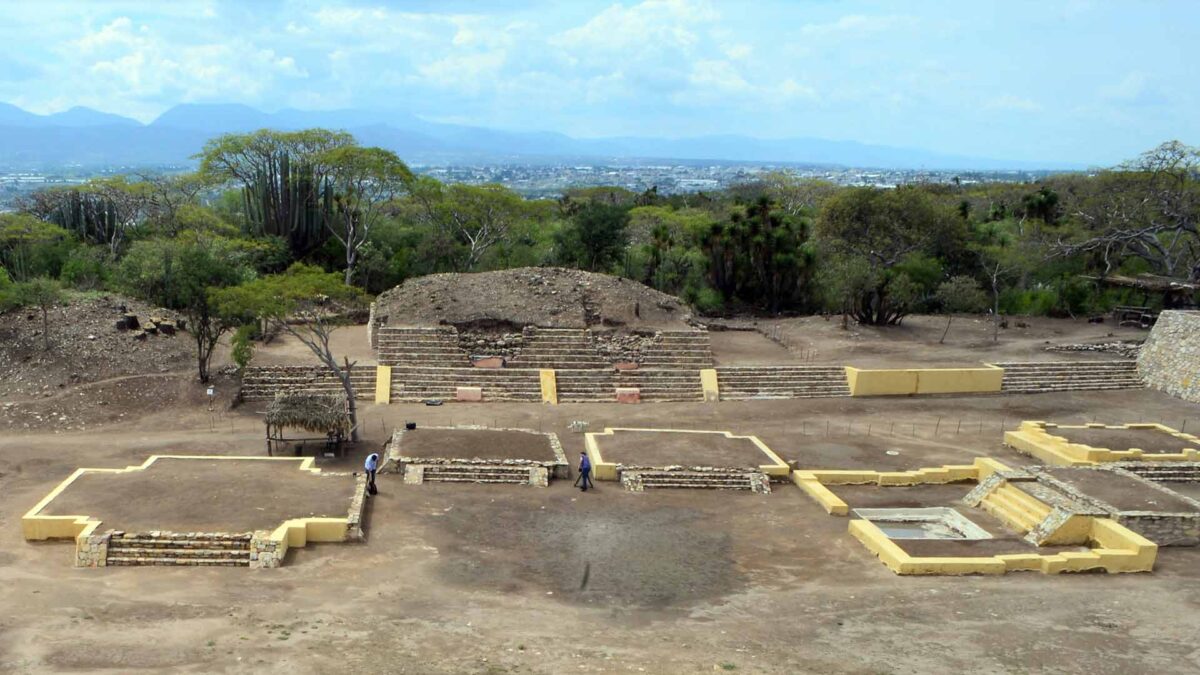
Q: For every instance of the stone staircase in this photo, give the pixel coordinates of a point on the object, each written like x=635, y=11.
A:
x=663, y=384
x=679, y=349
x=559, y=348
x=587, y=385
x=1015, y=507
x=261, y=383
x=717, y=479
x=431, y=346
x=1165, y=472
x=416, y=474
x=759, y=382
x=191, y=550
x=1032, y=378
x=418, y=383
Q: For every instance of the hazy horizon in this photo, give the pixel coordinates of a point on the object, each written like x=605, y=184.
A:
x=1067, y=80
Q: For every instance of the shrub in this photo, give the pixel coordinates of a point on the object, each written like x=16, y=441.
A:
x=243, y=345
x=86, y=268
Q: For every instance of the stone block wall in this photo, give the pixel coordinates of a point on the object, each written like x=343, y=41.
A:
x=92, y=551
x=264, y=552
x=1170, y=359
x=1164, y=529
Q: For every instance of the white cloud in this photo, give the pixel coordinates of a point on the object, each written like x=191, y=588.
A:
x=858, y=25
x=1009, y=102
x=1136, y=88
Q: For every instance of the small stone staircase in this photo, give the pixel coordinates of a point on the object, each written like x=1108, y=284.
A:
x=428, y=346
x=261, y=383
x=192, y=550
x=1032, y=378
x=766, y=382
x=416, y=474
x=681, y=349
x=637, y=480
x=1015, y=507
x=558, y=348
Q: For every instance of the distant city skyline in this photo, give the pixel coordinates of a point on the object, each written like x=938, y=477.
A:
x=1059, y=80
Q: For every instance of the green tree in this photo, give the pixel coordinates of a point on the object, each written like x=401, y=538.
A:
x=24, y=239
x=41, y=293
x=365, y=181
x=102, y=211
x=306, y=303
x=284, y=178
x=881, y=229
x=179, y=274
x=467, y=221
x=959, y=294
x=595, y=236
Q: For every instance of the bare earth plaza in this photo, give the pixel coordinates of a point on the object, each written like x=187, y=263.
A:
x=756, y=508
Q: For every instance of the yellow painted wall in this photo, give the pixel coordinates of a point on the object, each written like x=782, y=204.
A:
x=708, y=382
x=1120, y=550
x=383, y=384
x=904, y=382
x=549, y=382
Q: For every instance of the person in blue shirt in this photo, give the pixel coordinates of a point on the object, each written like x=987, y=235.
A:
x=585, y=472
x=371, y=466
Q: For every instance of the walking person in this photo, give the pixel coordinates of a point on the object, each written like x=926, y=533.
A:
x=371, y=466
x=585, y=472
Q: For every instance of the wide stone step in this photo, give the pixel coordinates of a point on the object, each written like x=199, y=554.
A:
x=126, y=561
x=139, y=552
x=181, y=542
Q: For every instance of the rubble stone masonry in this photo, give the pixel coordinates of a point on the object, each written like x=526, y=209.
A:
x=1170, y=359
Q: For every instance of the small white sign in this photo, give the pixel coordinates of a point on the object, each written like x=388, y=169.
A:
x=212, y=391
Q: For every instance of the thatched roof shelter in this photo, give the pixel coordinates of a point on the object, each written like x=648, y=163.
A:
x=316, y=413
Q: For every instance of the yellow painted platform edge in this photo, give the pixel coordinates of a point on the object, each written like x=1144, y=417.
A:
x=35, y=527
x=601, y=470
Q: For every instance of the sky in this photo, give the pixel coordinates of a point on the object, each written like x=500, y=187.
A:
x=1089, y=81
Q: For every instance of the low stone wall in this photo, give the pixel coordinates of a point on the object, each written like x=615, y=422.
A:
x=395, y=460
x=1170, y=359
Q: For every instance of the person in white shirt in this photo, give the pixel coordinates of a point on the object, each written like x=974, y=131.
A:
x=371, y=466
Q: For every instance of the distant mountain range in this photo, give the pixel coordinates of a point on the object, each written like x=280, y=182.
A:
x=90, y=137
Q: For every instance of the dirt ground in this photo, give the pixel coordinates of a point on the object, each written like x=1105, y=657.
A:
x=475, y=444
x=915, y=342
x=660, y=449
x=1148, y=440
x=188, y=495
x=1122, y=492
x=504, y=579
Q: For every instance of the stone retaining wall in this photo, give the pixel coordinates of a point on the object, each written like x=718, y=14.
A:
x=1170, y=359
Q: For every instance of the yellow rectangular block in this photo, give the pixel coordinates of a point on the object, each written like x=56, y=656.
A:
x=383, y=385
x=549, y=383
x=708, y=382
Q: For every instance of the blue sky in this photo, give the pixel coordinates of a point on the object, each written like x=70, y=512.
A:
x=1091, y=81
